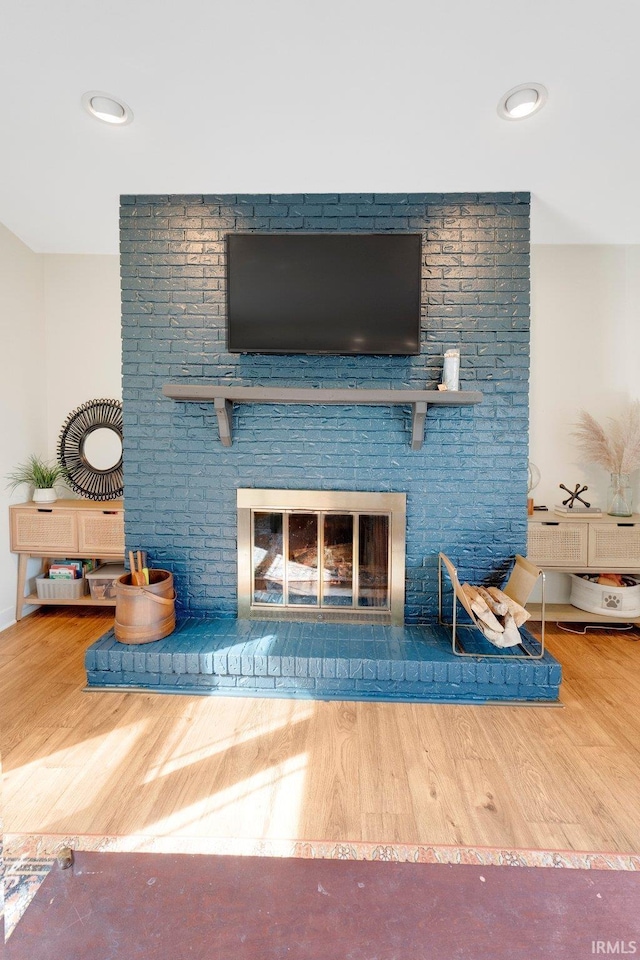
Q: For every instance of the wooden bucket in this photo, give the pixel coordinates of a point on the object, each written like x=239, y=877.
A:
x=147, y=613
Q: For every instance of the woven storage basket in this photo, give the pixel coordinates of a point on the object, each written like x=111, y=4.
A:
x=60, y=589
x=145, y=614
x=623, y=602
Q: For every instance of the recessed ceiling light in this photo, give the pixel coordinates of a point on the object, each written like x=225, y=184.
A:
x=522, y=101
x=104, y=107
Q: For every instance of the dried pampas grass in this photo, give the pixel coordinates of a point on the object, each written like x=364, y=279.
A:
x=618, y=451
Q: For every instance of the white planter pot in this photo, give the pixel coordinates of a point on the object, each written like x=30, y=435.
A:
x=44, y=495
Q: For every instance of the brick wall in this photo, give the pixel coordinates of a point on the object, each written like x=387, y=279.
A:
x=466, y=488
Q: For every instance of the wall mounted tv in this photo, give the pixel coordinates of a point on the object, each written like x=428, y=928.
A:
x=335, y=293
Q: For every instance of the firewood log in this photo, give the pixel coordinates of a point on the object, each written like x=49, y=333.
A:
x=481, y=609
x=511, y=636
x=499, y=607
x=473, y=595
x=519, y=614
x=492, y=635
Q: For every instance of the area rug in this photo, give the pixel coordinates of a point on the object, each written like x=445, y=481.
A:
x=30, y=857
x=150, y=906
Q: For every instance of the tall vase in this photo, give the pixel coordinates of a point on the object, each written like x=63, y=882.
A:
x=620, y=499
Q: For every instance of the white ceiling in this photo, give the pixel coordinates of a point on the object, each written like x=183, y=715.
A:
x=254, y=96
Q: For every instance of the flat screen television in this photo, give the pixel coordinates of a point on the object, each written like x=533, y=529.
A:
x=335, y=293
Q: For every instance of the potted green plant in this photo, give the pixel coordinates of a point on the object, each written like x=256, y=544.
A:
x=42, y=475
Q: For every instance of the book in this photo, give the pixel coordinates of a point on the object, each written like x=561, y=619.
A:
x=578, y=511
x=75, y=569
x=57, y=572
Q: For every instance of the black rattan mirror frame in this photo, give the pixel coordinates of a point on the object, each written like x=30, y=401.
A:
x=82, y=476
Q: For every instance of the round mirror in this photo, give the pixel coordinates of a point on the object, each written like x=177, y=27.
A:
x=102, y=449
x=90, y=449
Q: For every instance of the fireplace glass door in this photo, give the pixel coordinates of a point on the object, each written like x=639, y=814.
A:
x=320, y=559
x=321, y=555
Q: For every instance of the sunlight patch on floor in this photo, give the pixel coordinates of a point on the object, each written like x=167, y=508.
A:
x=290, y=714
x=275, y=796
x=66, y=756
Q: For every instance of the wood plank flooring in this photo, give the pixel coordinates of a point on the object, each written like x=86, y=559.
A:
x=135, y=763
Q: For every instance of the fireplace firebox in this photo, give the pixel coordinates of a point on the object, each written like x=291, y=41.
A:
x=321, y=555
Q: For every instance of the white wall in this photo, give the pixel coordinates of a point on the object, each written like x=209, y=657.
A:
x=585, y=354
x=82, y=317
x=23, y=396
x=60, y=337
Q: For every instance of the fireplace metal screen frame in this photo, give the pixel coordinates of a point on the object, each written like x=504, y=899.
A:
x=393, y=505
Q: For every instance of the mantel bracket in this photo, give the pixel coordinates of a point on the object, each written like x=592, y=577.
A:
x=224, y=413
x=418, y=415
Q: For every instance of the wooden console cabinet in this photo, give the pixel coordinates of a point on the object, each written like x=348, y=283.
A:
x=560, y=544
x=66, y=528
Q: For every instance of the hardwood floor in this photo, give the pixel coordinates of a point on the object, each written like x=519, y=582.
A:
x=132, y=763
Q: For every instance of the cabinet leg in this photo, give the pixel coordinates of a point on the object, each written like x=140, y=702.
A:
x=23, y=560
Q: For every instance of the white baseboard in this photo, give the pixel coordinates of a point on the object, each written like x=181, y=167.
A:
x=7, y=617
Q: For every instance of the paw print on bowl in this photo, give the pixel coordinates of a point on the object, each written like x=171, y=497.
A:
x=611, y=601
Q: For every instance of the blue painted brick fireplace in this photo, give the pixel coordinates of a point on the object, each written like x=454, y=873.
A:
x=466, y=488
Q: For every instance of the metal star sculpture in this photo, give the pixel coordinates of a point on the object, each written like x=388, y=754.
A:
x=574, y=495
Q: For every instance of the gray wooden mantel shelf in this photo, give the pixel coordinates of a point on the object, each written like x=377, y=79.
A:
x=223, y=399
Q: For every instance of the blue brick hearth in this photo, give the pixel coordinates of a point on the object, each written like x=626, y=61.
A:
x=325, y=661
